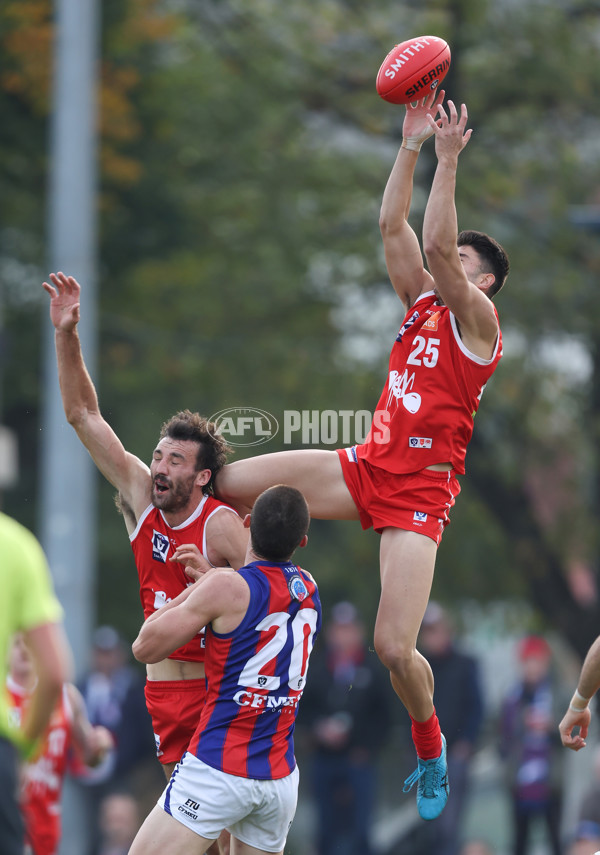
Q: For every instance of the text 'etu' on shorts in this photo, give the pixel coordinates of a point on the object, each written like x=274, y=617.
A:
x=206, y=800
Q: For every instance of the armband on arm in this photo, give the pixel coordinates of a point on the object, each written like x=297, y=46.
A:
x=578, y=702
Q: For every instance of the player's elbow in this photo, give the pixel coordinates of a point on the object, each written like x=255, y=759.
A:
x=384, y=223
x=76, y=415
x=434, y=248
x=138, y=649
x=143, y=652
x=389, y=224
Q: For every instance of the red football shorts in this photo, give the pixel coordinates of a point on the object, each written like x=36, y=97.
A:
x=175, y=707
x=417, y=501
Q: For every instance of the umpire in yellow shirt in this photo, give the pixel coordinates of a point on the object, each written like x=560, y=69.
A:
x=27, y=604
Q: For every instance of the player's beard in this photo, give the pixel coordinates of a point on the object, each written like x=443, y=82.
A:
x=177, y=497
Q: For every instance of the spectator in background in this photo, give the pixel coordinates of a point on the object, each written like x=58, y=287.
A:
x=531, y=747
x=459, y=706
x=346, y=716
x=477, y=846
x=119, y=823
x=113, y=692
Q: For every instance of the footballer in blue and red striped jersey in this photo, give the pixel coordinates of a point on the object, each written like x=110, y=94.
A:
x=256, y=675
x=239, y=772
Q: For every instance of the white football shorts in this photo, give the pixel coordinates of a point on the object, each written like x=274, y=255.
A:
x=207, y=800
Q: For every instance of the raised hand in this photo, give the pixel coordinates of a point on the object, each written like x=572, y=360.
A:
x=416, y=127
x=101, y=741
x=449, y=130
x=196, y=564
x=64, y=301
x=572, y=719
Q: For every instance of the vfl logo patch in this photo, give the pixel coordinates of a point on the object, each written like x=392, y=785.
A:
x=298, y=589
x=420, y=442
x=419, y=516
x=160, y=546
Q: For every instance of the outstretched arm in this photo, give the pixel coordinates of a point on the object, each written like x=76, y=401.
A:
x=579, y=714
x=126, y=472
x=467, y=300
x=49, y=648
x=92, y=743
x=220, y=596
x=402, y=251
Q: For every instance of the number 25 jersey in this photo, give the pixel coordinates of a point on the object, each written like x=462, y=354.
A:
x=257, y=673
x=426, y=410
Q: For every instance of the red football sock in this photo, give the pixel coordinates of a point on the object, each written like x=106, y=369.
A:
x=427, y=737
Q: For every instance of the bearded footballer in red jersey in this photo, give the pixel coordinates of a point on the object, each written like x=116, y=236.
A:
x=170, y=513
x=402, y=480
x=239, y=772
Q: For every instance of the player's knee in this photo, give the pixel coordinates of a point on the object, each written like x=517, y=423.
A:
x=396, y=654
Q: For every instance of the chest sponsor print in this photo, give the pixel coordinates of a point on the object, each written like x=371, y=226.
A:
x=400, y=388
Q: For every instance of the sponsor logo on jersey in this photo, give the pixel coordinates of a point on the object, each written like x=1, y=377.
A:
x=399, y=387
x=420, y=516
x=246, y=698
x=160, y=546
x=41, y=774
x=161, y=599
x=432, y=322
x=406, y=325
x=297, y=588
x=420, y=441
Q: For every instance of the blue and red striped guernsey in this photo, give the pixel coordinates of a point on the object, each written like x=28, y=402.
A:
x=257, y=673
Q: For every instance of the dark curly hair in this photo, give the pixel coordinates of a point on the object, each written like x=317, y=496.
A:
x=279, y=520
x=493, y=257
x=213, y=449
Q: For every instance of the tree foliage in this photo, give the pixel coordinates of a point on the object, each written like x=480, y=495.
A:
x=243, y=157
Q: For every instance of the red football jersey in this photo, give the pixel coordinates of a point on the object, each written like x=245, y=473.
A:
x=43, y=776
x=161, y=580
x=425, y=413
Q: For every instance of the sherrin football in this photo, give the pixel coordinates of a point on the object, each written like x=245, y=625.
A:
x=412, y=69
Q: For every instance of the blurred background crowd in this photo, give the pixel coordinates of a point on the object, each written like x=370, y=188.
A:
x=515, y=789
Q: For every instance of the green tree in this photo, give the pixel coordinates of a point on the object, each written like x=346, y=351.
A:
x=244, y=155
